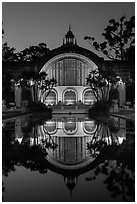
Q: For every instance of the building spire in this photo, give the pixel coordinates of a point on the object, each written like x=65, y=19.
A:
x=69, y=26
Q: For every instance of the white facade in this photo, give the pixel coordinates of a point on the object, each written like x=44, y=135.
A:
x=70, y=70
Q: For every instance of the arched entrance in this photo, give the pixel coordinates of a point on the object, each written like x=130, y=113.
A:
x=88, y=97
x=70, y=97
x=51, y=99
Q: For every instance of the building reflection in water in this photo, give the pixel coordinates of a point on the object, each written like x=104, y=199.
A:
x=71, y=135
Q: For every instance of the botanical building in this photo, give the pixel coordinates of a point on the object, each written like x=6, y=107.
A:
x=70, y=64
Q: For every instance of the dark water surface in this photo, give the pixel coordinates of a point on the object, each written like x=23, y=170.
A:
x=68, y=158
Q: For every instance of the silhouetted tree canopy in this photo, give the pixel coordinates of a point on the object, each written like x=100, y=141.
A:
x=8, y=53
x=23, y=154
x=33, y=80
x=119, y=41
x=33, y=52
x=101, y=82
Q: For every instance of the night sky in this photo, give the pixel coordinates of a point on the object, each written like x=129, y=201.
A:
x=31, y=23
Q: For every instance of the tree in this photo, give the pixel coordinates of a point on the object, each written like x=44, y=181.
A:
x=8, y=53
x=119, y=41
x=32, y=157
x=35, y=82
x=33, y=53
x=101, y=83
x=116, y=159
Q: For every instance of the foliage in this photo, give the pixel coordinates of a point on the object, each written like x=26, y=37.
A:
x=116, y=162
x=8, y=53
x=33, y=53
x=45, y=84
x=103, y=139
x=33, y=81
x=119, y=179
x=23, y=154
x=28, y=80
x=101, y=82
x=119, y=39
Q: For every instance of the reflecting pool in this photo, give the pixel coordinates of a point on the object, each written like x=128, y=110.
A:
x=68, y=158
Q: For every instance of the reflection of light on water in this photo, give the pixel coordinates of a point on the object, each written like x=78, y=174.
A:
x=71, y=158
x=89, y=127
x=118, y=141
x=71, y=152
x=50, y=126
x=70, y=126
x=71, y=137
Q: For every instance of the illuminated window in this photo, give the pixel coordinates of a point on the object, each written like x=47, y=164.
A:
x=70, y=126
x=89, y=97
x=70, y=97
x=50, y=99
x=69, y=72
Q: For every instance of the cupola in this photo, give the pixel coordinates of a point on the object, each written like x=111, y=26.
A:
x=69, y=37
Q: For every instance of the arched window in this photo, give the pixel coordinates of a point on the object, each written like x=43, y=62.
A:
x=89, y=97
x=51, y=98
x=70, y=97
